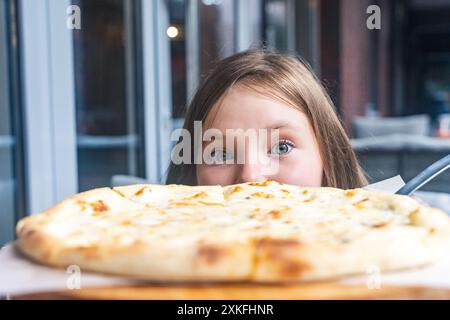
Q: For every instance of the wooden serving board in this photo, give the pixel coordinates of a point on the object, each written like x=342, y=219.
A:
x=241, y=291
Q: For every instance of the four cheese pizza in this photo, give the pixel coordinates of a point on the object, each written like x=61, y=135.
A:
x=262, y=232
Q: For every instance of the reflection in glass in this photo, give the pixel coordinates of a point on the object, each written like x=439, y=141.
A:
x=216, y=29
x=176, y=34
x=10, y=162
x=275, y=28
x=215, y=22
x=108, y=126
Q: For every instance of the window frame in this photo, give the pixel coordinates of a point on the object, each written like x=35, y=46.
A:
x=14, y=139
x=48, y=80
x=157, y=89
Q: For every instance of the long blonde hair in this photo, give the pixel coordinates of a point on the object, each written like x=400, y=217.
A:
x=289, y=79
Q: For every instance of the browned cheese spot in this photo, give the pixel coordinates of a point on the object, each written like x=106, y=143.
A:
x=126, y=223
x=99, y=206
x=291, y=269
x=361, y=203
x=281, y=254
x=262, y=195
x=275, y=214
x=211, y=253
x=195, y=196
x=210, y=203
x=349, y=193
x=237, y=189
x=89, y=252
x=380, y=224
x=82, y=204
x=140, y=192
x=261, y=184
x=183, y=204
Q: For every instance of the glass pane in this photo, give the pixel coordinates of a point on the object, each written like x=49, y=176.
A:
x=255, y=16
x=216, y=29
x=8, y=162
x=107, y=92
x=275, y=27
x=435, y=87
x=176, y=34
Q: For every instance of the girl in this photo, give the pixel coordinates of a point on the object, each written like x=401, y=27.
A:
x=259, y=89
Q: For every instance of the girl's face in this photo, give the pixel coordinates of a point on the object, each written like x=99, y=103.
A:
x=289, y=154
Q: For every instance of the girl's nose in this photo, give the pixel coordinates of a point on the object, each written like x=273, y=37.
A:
x=250, y=173
x=253, y=167
x=256, y=165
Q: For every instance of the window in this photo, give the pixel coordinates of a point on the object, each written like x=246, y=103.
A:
x=197, y=40
x=107, y=91
x=217, y=32
x=177, y=35
x=202, y=32
x=11, y=182
x=275, y=24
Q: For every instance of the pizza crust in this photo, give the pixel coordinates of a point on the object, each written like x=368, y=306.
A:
x=263, y=232
x=389, y=250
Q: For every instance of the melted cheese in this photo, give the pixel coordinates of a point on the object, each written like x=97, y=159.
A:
x=174, y=213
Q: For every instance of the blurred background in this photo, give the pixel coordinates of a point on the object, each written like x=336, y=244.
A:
x=95, y=106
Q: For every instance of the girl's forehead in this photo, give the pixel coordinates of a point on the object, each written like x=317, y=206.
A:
x=244, y=107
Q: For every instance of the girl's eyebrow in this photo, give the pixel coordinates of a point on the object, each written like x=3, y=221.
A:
x=281, y=125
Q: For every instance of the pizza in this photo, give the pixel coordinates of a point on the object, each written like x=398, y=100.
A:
x=259, y=232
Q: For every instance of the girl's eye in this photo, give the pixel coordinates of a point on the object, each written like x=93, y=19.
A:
x=282, y=148
x=219, y=156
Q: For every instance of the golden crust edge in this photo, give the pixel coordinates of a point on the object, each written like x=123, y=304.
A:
x=28, y=247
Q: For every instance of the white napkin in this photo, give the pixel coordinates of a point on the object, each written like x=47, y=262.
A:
x=436, y=275
x=391, y=185
x=19, y=275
